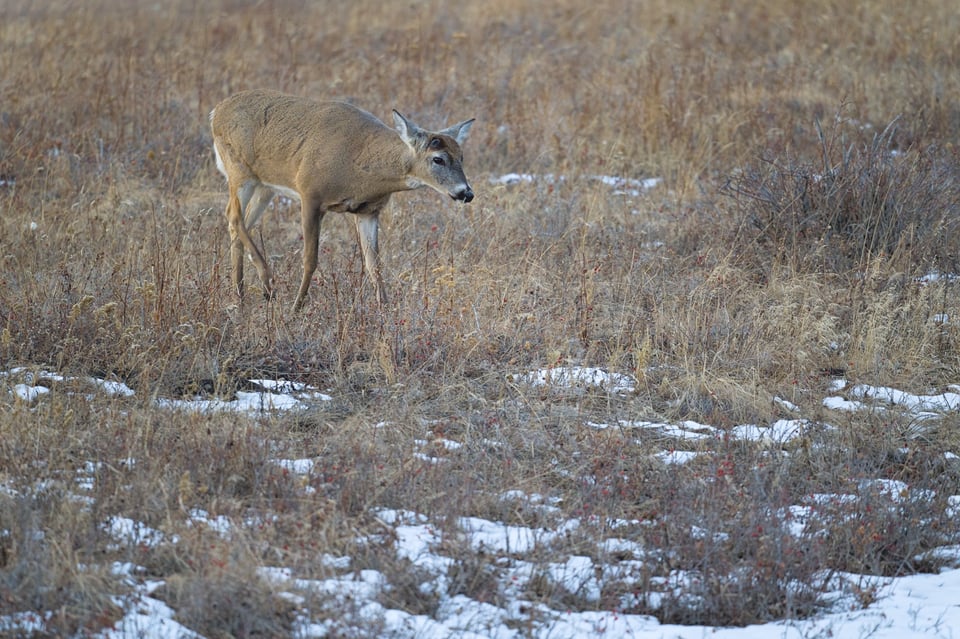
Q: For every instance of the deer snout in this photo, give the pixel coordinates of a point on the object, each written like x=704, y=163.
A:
x=463, y=195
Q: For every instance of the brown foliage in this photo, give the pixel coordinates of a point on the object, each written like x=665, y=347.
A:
x=113, y=263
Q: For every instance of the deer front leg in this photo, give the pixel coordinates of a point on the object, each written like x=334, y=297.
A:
x=311, y=216
x=368, y=225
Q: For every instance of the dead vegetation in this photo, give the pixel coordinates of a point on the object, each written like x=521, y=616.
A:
x=810, y=180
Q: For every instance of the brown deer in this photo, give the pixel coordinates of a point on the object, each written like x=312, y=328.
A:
x=331, y=156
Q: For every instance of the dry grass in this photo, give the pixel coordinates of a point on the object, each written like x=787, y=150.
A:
x=784, y=243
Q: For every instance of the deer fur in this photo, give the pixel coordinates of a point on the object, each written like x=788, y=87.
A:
x=330, y=156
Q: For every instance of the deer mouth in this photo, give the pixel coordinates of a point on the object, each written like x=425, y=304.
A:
x=466, y=195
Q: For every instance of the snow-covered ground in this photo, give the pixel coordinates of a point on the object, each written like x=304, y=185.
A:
x=925, y=605
x=620, y=185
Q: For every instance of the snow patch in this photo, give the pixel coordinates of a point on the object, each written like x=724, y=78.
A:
x=579, y=378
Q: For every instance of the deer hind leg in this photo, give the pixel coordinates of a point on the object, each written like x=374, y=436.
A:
x=311, y=216
x=254, y=209
x=262, y=194
x=235, y=222
x=240, y=199
x=368, y=225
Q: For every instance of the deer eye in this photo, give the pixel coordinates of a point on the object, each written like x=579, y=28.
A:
x=438, y=160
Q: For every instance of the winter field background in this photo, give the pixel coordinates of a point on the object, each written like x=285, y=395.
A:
x=687, y=366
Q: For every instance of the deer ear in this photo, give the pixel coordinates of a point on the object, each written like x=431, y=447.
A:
x=407, y=129
x=459, y=131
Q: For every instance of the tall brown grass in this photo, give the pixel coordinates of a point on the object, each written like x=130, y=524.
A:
x=810, y=175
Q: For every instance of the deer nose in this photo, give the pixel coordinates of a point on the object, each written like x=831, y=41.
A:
x=465, y=195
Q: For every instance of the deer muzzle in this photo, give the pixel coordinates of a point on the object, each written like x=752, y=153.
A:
x=463, y=195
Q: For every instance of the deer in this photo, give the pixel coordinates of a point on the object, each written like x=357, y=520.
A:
x=331, y=156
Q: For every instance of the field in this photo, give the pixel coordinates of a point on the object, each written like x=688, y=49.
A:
x=690, y=359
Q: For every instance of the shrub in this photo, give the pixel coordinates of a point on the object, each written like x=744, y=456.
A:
x=864, y=201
